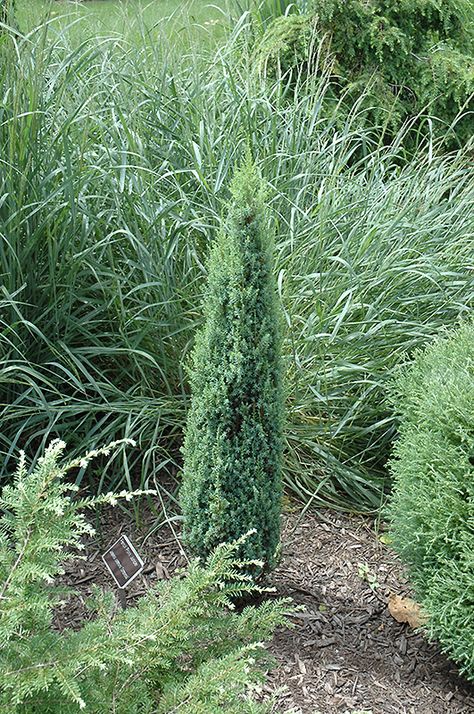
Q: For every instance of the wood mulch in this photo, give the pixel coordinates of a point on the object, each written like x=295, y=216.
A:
x=345, y=653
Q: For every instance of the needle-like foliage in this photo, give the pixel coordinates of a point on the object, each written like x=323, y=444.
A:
x=432, y=507
x=232, y=478
x=415, y=56
x=181, y=648
x=114, y=162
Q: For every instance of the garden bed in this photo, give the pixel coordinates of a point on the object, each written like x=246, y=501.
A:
x=345, y=653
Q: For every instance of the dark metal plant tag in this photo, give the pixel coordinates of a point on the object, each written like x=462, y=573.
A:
x=123, y=561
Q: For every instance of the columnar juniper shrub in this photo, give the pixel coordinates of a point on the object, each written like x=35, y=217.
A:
x=432, y=507
x=181, y=648
x=233, y=442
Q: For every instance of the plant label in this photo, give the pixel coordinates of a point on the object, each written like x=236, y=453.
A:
x=123, y=561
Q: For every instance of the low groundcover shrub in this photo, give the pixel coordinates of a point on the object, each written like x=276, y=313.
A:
x=432, y=508
x=181, y=648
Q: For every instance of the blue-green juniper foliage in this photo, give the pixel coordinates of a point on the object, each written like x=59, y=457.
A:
x=233, y=441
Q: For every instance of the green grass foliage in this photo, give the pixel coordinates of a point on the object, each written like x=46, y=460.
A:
x=181, y=648
x=285, y=48
x=232, y=479
x=415, y=56
x=7, y=8
x=115, y=165
x=141, y=22
x=431, y=509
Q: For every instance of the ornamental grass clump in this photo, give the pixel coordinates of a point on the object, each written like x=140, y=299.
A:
x=181, y=648
x=106, y=217
x=432, y=507
x=233, y=443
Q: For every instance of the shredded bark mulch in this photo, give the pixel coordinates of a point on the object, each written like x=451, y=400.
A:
x=345, y=653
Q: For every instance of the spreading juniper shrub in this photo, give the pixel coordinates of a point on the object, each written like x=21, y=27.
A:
x=182, y=647
x=395, y=60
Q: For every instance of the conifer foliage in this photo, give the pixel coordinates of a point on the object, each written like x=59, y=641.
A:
x=431, y=509
x=394, y=60
x=181, y=648
x=233, y=442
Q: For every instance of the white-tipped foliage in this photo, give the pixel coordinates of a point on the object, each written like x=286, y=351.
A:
x=181, y=648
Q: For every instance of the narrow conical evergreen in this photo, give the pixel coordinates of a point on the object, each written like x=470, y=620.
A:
x=233, y=442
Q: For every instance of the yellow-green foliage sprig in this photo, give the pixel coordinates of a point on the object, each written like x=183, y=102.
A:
x=182, y=647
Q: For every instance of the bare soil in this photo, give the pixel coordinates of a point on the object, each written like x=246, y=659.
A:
x=345, y=653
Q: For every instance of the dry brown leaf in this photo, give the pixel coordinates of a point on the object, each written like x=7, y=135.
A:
x=161, y=571
x=404, y=609
x=301, y=664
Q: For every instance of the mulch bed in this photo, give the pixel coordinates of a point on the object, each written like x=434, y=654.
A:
x=345, y=653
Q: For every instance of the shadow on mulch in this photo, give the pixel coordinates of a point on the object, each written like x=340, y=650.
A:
x=345, y=654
